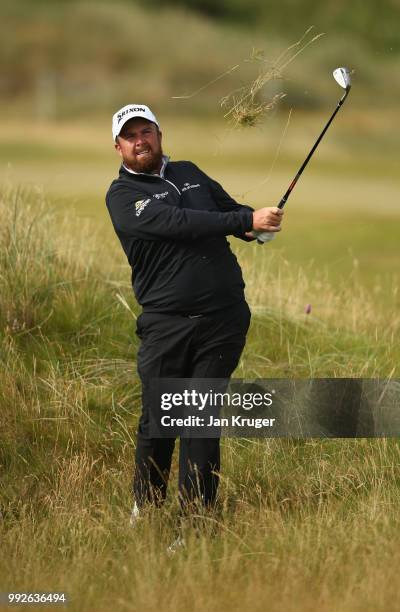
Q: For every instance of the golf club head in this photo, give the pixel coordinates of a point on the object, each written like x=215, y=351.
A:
x=342, y=76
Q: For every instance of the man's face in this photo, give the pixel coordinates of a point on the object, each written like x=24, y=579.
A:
x=139, y=145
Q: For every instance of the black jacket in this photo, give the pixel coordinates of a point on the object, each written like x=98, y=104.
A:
x=173, y=229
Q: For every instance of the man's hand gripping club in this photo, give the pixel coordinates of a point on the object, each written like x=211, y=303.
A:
x=266, y=222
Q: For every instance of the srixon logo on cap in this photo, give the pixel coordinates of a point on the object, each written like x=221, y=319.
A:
x=132, y=109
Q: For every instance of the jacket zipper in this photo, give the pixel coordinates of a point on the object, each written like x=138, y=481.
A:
x=157, y=176
x=161, y=178
x=171, y=183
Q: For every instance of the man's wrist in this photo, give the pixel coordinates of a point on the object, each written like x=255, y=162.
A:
x=249, y=223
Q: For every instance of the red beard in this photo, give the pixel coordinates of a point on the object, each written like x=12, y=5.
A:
x=150, y=164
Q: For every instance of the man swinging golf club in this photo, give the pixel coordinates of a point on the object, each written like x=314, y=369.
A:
x=172, y=221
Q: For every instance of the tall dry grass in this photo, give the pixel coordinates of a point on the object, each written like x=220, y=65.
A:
x=301, y=524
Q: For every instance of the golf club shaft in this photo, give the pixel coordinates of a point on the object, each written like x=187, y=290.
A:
x=269, y=235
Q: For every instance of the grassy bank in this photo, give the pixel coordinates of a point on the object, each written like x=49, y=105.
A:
x=67, y=59
x=304, y=523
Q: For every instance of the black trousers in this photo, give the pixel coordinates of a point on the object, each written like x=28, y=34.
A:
x=176, y=346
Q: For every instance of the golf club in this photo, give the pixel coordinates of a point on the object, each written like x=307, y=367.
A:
x=341, y=76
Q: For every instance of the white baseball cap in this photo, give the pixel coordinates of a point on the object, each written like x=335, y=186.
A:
x=129, y=112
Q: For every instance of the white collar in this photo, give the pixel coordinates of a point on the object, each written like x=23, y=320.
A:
x=165, y=160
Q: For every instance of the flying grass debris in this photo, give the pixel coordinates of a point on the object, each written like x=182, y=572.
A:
x=246, y=106
x=249, y=113
x=245, y=109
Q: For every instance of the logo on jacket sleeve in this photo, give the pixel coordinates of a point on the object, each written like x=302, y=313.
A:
x=160, y=196
x=140, y=205
x=187, y=186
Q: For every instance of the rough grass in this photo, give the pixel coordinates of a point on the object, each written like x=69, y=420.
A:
x=303, y=524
